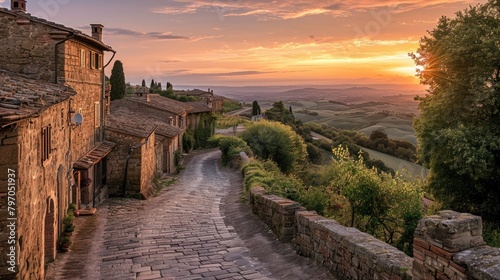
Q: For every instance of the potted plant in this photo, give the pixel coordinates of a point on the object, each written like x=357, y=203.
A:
x=72, y=210
x=68, y=226
x=64, y=242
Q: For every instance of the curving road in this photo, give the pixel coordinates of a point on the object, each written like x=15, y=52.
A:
x=198, y=228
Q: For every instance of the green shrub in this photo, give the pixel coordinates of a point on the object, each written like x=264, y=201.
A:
x=230, y=146
x=277, y=142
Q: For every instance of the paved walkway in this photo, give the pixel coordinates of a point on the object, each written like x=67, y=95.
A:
x=197, y=228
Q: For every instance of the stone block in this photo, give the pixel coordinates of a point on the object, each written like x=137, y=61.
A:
x=482, y=262
x=450, y=230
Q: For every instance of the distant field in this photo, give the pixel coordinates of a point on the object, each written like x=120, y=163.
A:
x=406, y=168
x=395, y=119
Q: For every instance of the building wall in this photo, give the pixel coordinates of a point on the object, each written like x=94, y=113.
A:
x=148, y=166
x=38, y=184
x=87, y=83
x=26, y=48
x=117, y=161
x=161, y=148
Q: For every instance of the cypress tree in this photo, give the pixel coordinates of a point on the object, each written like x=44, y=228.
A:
x=117, y=81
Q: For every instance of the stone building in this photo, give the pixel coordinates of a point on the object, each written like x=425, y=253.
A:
x=52, y=98
x=208, y=97
x=147, y=144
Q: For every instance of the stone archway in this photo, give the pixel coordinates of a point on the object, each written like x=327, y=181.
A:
x=49, y=232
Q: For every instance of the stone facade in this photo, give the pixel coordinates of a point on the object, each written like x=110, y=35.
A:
x=50, y=154
x=42, y=188
x=131, y=163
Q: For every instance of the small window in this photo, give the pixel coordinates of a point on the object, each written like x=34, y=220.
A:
x=16, y=5
x=95, y=60
x=99, y=61
x=82, y=58
x=92, y=60
x=46, y=146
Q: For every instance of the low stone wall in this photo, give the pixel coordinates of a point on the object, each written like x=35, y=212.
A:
x=446, y=246
x=348, y=252
x=278, y=213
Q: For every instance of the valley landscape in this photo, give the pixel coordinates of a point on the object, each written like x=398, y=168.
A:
x=364, y=108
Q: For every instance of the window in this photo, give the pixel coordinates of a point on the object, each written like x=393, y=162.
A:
x=82, y=58
x=46, y=146
x=95, y=60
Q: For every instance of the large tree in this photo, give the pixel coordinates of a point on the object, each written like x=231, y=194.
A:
x=117, y=81
x=459, y=125
x=255, y=108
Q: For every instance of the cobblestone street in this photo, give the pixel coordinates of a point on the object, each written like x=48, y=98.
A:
x=197, y=228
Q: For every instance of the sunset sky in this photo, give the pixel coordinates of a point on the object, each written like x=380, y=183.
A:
x=243, y=42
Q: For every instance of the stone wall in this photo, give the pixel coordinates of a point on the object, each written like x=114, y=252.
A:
x=148, y=166
x=26, y=48
x=141, y=164
x=38, y=184
x=278, y=213
x=117, y=161
x=446, y=246
x=346, y=252
x=87, y=83
x=450, y=246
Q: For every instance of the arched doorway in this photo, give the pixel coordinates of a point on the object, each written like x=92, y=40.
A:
x=49, y=232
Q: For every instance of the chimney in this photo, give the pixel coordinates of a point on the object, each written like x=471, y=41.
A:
x=97, y=31
x=18, y=5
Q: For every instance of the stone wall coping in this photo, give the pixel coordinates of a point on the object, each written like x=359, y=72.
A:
x=482, y=262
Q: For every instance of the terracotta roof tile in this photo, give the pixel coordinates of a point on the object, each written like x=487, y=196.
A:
x=127, y=118
x=22, y=97
x=198, y=107
x=161, y=103
x=94, y=156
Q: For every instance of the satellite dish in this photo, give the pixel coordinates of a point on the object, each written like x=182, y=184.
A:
x=77, y=119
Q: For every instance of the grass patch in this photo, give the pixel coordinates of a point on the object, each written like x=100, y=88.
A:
x=230, y=105
x=226, y=121
x=162, y=183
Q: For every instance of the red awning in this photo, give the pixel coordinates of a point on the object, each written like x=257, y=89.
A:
x=94, y=156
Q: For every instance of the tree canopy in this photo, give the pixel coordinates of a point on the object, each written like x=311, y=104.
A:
x=117, y=81
x=278, y=142
x=279, y=113
x=459, y=125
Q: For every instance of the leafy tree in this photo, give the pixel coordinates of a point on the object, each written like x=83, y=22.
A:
x=159, y=85
x=143, y=83
x=279, y=113
x=255, y=108
x=278, y=142
x=169, y=86
x=117, y=81
x=459, y=125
